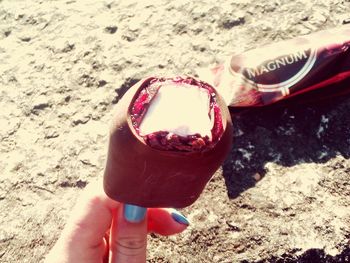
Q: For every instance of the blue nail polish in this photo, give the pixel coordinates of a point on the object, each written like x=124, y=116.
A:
x=134, y=213
x=180, y=218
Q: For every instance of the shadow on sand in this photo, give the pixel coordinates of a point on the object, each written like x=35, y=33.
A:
x=287, y=134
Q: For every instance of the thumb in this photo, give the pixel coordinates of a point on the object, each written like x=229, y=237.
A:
x=165, y=221
x=128, y=240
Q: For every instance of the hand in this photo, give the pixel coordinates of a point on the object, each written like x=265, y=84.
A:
x=97, y=231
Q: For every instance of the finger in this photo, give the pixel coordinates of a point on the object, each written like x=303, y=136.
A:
x=166, y=221
x=90, y=220
x=128, y=235
x=106, y=248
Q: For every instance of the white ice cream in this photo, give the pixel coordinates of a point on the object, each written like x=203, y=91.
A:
x=182, y=110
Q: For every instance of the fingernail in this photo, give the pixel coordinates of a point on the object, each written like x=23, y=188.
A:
x=178, y=217
x=134, y=213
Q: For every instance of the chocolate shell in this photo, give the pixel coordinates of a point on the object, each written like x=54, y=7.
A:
x=139, y=174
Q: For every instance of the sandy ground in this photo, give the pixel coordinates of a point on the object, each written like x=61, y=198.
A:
x=283, y=195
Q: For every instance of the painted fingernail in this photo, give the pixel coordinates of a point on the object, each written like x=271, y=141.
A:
x=178, y=217
x=134, y=213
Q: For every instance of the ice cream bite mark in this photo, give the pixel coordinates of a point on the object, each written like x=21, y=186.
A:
x=179, y=114
x=181, y=110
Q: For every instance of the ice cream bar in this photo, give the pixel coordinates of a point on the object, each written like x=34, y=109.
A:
x=317, y=64
x=168, y=137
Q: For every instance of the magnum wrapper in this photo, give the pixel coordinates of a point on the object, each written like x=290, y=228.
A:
x=319, y=63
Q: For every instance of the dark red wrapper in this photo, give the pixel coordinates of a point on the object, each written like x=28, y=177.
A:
x=285, y=69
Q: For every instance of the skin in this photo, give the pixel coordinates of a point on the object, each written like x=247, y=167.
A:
x=97, y=232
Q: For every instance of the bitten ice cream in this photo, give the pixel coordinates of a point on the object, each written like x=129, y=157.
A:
x=168, y=137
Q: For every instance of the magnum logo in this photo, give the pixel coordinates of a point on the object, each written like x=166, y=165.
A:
x=277, y=74
x=276, y=64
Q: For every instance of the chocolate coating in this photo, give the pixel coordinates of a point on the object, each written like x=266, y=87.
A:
x=141, y=175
